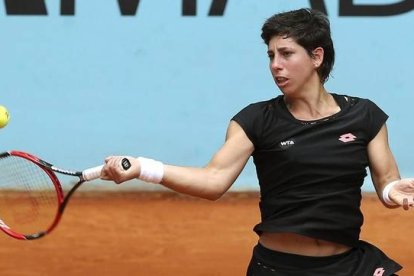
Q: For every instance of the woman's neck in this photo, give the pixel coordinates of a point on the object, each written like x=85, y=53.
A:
x=312, y=105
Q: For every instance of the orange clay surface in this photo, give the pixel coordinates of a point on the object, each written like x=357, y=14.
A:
x=158, y=233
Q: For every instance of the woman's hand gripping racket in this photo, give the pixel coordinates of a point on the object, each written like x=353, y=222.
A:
x=31, y=196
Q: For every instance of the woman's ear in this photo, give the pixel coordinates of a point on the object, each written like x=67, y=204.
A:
x=317, y=56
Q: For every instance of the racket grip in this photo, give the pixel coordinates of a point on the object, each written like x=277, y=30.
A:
x=92, y=173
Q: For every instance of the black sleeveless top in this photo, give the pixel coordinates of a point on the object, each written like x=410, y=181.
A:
x=311, y=172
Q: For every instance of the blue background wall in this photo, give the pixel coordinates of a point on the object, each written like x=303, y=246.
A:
x=163, y=85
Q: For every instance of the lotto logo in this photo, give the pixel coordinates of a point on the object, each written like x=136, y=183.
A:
x=349, y=137
x=379, y=272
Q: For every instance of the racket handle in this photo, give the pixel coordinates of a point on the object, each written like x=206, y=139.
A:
x=92, y=173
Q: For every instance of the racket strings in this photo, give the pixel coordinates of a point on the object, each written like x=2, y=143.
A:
x=28, y=201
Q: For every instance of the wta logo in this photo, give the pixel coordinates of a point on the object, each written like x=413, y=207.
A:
x=286, y=144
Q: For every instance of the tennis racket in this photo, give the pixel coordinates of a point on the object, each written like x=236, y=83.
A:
x=31, y=197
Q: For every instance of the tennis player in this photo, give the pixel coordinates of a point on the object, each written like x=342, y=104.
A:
x=311, y=148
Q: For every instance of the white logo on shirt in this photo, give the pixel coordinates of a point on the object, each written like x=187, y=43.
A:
x=286, y=144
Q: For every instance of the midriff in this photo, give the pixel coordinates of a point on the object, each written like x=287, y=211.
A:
x=301, y=245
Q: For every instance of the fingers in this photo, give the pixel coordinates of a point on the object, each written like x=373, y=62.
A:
x=114, y=171
x=108, y=158
x=403, y=193
x=405, y=204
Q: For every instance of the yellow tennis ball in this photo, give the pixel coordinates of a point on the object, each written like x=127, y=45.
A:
x=4, y=116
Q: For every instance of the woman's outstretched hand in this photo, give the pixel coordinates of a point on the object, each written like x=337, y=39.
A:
x=402, y=193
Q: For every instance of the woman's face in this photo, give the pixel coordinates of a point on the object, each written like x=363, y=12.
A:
x=291, y=66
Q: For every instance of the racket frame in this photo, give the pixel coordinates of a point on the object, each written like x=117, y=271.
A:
x=62, y=201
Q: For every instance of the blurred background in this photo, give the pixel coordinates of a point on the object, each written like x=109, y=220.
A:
x=86, y=79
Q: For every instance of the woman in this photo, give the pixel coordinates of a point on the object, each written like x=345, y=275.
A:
x=311, y=149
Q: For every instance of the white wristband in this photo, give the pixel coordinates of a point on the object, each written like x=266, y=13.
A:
x=386, y=192
x=151, y=170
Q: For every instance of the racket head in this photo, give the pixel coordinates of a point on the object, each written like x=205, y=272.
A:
x=31, y=196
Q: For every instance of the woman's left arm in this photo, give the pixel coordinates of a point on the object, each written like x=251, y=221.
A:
x=384, y=172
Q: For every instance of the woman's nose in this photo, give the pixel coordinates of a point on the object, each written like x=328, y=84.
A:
x=275, y=64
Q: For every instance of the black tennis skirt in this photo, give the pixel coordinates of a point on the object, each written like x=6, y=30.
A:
x=363, y=260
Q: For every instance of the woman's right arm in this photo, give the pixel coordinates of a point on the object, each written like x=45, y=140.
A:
x=209, y=182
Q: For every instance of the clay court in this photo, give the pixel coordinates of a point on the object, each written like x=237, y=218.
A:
x=155, y=233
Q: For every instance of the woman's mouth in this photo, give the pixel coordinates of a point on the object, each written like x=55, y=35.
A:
x=281, y=81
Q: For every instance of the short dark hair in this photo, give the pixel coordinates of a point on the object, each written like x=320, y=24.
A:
x=309, y=28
